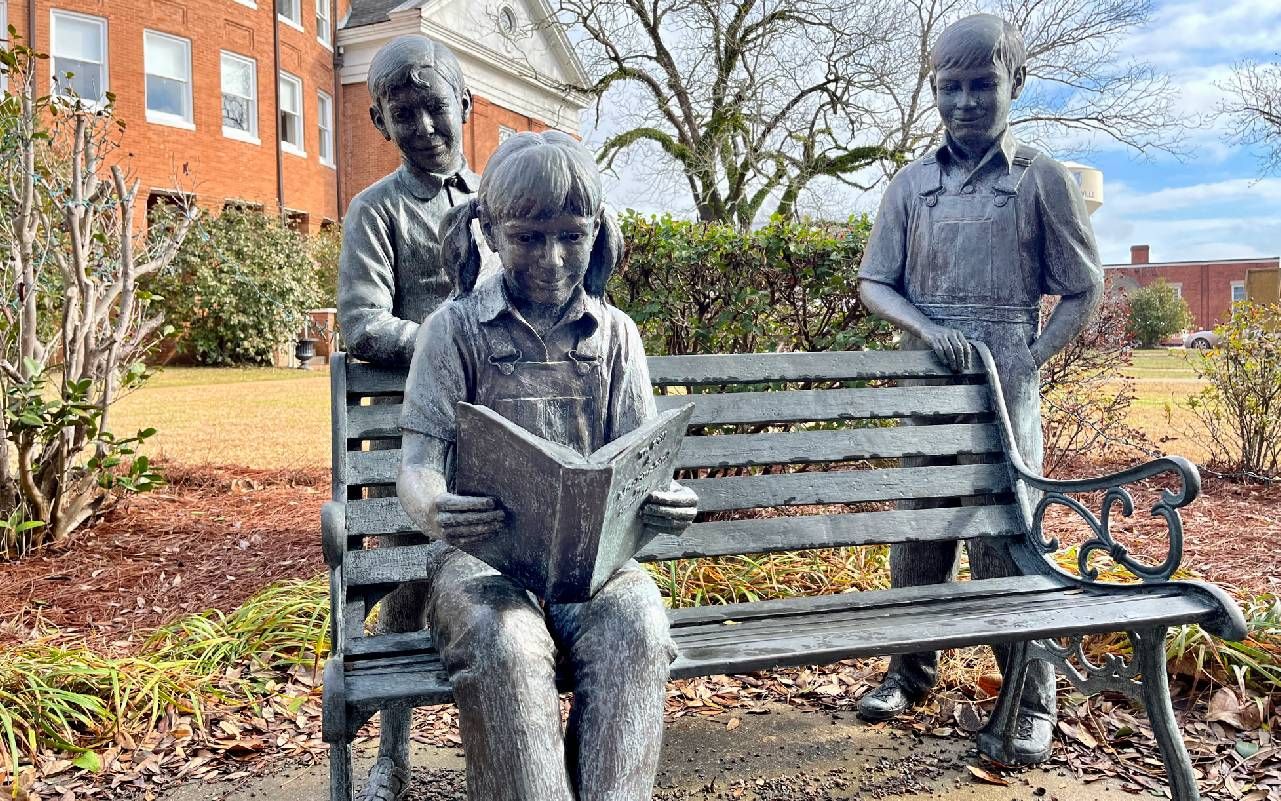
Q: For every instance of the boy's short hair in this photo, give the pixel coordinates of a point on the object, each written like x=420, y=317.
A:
x=403, y=60
x=978, y=41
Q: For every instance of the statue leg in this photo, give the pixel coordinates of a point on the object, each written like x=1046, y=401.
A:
x=494, y=642
x=1149, y=651
x=620, y=648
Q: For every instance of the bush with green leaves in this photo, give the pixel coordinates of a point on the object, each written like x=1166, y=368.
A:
x=698, y=287
x=1239, y=411
x=1157, y=312
x=239, y=288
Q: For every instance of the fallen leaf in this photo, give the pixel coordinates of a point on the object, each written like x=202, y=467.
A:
x=987, y=776
x=734, y=723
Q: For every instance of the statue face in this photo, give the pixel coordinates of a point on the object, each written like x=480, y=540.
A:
x=545, y=259
x=974, y=103
x=425, y=122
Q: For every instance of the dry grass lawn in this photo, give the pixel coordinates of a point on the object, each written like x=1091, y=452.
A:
x=1164, y=379
x=257, y=417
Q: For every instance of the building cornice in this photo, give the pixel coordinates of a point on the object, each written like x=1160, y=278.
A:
x=1266, y=261
x=490, y=74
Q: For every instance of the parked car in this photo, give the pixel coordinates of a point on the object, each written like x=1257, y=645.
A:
x=1201, y=340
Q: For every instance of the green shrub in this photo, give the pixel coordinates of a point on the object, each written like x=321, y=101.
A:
x=1157, y=312
x=1240, y=410
x=706, y=288
x=239, y=288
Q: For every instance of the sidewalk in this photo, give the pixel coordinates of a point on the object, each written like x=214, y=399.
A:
x=786, y=755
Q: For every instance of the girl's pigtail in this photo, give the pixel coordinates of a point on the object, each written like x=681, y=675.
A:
x=459, y=251
x=607, y=252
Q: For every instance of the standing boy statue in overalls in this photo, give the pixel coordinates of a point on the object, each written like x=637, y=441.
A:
x=391, y=274
x=967, y=241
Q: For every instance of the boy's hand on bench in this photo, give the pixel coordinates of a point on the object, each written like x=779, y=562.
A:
x=465, y=519
x=949, y=344
x=670, y=510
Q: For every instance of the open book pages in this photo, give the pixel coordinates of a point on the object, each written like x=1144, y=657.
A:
x=572, y=520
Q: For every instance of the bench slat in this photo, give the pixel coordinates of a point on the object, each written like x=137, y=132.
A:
x=377, y=421
x=370, y=516
x=367, y=379
x=381, y=566
x=749, y=368
x=746, y=450
x=830, y=404
x=848, y=486
x=771, y=634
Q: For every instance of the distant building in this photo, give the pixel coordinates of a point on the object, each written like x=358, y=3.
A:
x=1209, y=287
x=262, y=103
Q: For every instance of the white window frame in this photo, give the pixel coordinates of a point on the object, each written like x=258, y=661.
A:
x=505, y=132
x=54, y=14
x=326, y=134
x=163, y=117
x=248, y=3
x=1232, y=291
x=298, y=149
x=324, y=23
x=4, y=38
x=1178, y=289
x=251, y=135
x=290, y=21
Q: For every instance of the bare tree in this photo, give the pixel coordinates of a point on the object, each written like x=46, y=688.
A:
x=1254, y=107
x=756, y=101
x=73, y=321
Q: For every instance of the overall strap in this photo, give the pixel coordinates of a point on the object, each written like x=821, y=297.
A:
x=931, y=196
x=1008, y=186
x=501, y=350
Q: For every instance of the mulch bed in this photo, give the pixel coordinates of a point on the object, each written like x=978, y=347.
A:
x=211, y=539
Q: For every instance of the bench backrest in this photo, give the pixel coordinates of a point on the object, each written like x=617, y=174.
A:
x=797, y=431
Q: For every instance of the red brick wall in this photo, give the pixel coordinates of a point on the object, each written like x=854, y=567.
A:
x=211, y=166
x=1207, y=286
x=366, y=156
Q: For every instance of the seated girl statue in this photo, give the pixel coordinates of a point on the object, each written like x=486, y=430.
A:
x=538, y=344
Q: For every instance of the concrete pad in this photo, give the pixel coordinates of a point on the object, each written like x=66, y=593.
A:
x=783, y=755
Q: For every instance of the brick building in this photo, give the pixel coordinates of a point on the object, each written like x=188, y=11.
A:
x=208, y=87
x=1209, y=287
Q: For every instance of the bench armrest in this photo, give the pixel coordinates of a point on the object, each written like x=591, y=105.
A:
x=333, y=529
x=1115, y=496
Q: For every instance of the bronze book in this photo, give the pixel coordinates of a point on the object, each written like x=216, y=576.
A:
x=572, y=520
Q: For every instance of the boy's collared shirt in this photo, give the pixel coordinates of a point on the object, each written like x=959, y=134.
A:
x=391, y=275
x=453, y=358
x=1056, y=243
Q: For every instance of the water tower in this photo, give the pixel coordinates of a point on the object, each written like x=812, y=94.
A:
x=1090, y=181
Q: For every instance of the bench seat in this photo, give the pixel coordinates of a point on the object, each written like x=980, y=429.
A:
x=738, y=638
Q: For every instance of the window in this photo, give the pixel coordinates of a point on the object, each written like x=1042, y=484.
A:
x=4, y=40
x=1178, y=289
x=325, y=115
x=1238, y=291
x=167, y=62
x=323, y=32
x=290, y=11
x=79, y=47
x=505, y=133
x=291, y=114
x=239, y=97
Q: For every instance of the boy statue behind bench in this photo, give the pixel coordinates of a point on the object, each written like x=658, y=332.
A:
x=967, y=241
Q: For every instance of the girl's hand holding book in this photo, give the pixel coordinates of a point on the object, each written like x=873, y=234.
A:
x=464, y=519
x=670, y=510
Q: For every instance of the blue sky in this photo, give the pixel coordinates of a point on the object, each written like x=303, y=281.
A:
x=1212, y=204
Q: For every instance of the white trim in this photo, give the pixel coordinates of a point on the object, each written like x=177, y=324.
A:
x=247, y=3
x=240, y=136
x=238, y=133
x=321, y=118
x=1232, y=286
x=98, y=102
x=4, y=37
x=165, y=117
x=327, y=40
x=290, y=23
x=298, y=149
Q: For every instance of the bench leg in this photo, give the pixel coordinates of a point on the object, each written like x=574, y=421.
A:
x=1149, y=652
x=340, y=785
x=996, y=739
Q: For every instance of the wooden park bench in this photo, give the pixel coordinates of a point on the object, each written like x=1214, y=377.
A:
x=785, y=460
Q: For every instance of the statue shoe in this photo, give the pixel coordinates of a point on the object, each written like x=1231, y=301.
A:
x=891, y=698
x=387, y=781
x=1032, y=735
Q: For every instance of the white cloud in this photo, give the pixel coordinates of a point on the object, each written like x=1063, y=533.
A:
x=1233, y=28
